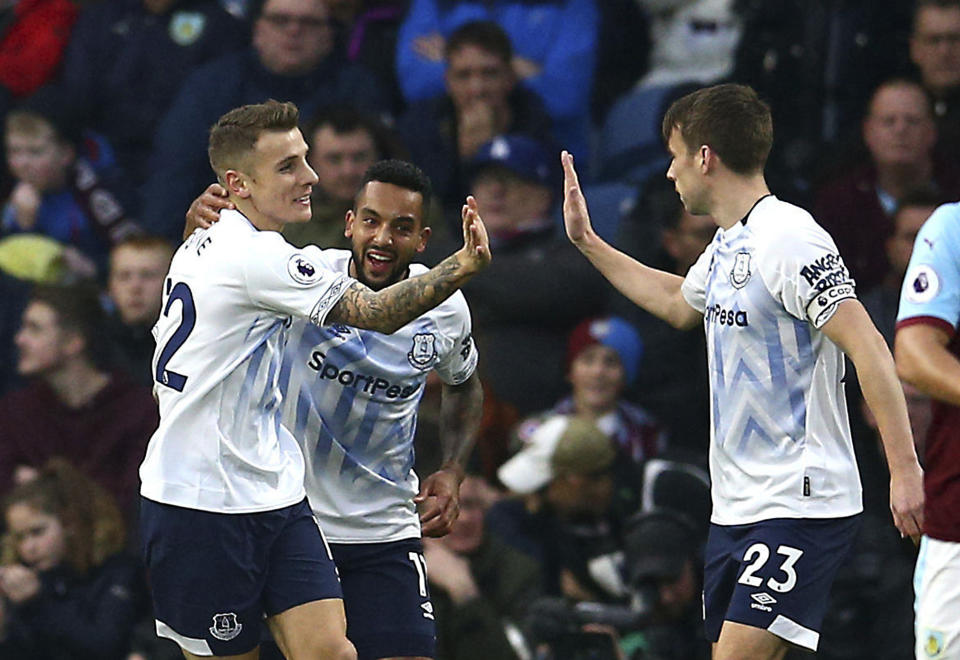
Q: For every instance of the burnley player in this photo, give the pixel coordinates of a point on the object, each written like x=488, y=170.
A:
x=227, y=532
x=927, y=357
x=779, y=311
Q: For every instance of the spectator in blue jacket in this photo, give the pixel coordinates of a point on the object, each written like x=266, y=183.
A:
x=555, y=44
x=293, y=58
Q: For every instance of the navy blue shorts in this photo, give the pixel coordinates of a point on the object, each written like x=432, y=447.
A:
x=386, y=598
x=774, y=574
x=214, y=576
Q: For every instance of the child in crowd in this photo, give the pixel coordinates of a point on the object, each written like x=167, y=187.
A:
x=66, y=589
x=57, y=192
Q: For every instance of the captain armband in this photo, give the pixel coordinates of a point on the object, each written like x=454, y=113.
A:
x=822, y=306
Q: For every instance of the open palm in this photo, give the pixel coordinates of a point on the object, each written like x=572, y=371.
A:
x=576, y=219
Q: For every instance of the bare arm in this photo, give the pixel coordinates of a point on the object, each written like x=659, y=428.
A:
x=851, y=329
x=924, y=361
x=391, y=308
x=461, y=408
x=654, y=290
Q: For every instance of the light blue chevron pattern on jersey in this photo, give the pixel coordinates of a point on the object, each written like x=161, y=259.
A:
x=761, y=363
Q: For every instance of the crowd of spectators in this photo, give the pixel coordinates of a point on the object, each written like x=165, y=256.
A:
x=105, y=107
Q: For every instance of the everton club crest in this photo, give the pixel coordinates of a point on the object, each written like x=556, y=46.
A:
x=740, y=274
x=225, y=626
x=424, y=351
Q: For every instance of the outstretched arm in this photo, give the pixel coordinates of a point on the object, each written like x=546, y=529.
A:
x=654, y=290
x=461, y=408
x=391, y=308
x=851, y=329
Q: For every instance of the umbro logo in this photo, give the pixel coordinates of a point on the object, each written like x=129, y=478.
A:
x=427, y=610
x=763, y=601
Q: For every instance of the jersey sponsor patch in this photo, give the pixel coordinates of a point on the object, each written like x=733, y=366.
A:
x=924, y=284
x=824, y=304
x=302, y=270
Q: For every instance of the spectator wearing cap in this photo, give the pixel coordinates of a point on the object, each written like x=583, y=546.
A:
x=58, y=192
x=481, y=100
x=538, y=288
x=662, y=562
x=564, y=515
x=603, y=355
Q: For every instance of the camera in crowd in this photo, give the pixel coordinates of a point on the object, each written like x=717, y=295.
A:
x=660, y=569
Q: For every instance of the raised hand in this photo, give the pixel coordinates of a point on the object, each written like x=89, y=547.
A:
x=576, y=218
x=475, y=253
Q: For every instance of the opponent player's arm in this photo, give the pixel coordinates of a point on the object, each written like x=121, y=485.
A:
x=461, y=408
x=391, y=308
x=654, y=290
x=851, y=329
x=924, y=361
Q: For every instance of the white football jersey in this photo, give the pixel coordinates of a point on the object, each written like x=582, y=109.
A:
x=780, y=438
x=227, y=303
x=351, y=402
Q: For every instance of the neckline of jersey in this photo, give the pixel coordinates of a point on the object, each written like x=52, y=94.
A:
x=743, y=220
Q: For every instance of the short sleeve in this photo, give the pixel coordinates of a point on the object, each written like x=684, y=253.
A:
x=460, y=360
x=297, y=282
x=931, y=286
x=804, y=271
x=694, y=287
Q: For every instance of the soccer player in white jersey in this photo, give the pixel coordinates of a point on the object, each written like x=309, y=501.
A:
x=778, y=307
x=351, y=399
x=227, y=533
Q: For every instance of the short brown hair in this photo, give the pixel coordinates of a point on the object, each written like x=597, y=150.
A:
x=144, y=242
x=729, y=118
x=235, y=134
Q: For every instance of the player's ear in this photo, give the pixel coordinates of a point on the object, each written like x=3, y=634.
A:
x=236, y=183
x=424, y=237
x=348, y=223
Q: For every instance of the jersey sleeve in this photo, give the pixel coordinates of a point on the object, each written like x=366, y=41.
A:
x=931, y=287
x=297, y=282
x=459, y=362
x=694, y=287
x=804, y=271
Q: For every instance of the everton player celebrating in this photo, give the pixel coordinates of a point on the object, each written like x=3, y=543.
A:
x=228, y=536
x=779, y=310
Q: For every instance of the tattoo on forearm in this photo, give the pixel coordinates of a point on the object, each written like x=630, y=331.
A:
x=461, y=410
x=392, y=308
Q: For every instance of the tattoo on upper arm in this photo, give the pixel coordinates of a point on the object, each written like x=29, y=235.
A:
x=393, y=307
